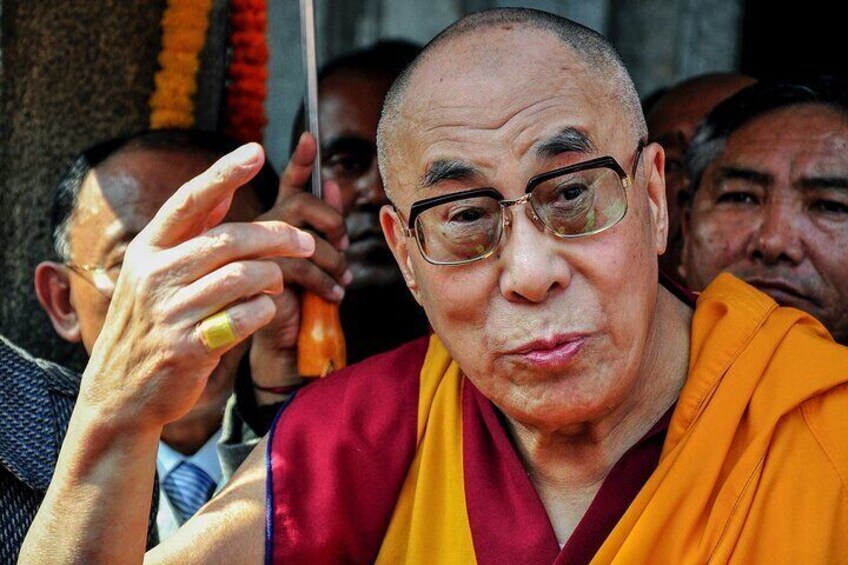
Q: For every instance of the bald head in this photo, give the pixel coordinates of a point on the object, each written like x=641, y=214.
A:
x=475, y=44
x=683, y=106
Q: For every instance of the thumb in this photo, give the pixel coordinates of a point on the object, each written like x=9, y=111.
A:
x=333, y=197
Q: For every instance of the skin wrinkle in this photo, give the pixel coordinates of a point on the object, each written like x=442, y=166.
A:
x=781, y=236
x=114, y=206
x=608, y=353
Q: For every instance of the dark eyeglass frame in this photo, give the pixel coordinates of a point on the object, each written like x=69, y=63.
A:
x=599, y=162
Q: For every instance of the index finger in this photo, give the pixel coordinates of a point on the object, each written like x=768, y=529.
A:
x=203, y=201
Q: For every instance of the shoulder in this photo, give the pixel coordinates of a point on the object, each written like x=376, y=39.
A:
x=391, y=377
x=824, y=416
x=22, y=374
x=36, y=401
x=369, y=403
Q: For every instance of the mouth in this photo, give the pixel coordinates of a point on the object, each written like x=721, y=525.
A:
x=785, y=294
x=551, y=353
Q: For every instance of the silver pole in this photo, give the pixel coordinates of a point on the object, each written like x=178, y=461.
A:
x=310, y=61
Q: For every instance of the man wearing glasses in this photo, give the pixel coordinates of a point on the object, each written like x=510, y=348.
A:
x=568, y=408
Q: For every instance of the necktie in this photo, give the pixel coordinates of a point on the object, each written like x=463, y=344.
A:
x=188, y=488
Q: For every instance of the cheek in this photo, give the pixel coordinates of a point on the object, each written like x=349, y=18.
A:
x=457, y=301
x=91, y=308
x=717, y=242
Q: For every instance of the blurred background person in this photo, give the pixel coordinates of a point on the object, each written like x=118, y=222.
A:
x=672, y=117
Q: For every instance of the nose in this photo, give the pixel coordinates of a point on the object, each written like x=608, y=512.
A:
x=369, y=188
x=777, y=238
x=532, y=268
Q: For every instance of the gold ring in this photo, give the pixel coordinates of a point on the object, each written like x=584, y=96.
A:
x=217, y=331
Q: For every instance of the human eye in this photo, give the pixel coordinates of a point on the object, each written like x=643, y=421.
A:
x=466, y=214
x=737, y=197
x=570, y=196
x=831, y=207
x=571, y=191
x=348, y=163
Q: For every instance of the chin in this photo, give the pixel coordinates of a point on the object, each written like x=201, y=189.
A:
x=553, y=403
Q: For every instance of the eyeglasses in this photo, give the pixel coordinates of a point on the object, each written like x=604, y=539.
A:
x=102, y=278
x=574, y=201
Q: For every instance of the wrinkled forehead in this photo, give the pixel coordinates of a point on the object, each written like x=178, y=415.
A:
x=490, y=98
x=802, y=134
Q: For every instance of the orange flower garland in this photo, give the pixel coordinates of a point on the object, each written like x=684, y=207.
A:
x=184, y=26
x=247, y=74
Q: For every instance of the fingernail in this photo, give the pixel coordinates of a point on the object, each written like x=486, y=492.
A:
x=347, y=277
x=305, y=241
x=337, y=292
x=345, y=243
x=246, y=155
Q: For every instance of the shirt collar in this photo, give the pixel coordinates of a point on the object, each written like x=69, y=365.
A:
x=206, y=458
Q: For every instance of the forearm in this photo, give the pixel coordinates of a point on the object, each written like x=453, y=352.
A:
x=97, y=506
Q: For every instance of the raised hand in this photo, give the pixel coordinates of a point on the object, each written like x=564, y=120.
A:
x=273, y=354
x=151, y=361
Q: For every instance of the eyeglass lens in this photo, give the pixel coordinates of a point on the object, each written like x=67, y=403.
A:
x=570, y=205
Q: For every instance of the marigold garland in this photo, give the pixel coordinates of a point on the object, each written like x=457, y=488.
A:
x=247, y=74
x=184, y=25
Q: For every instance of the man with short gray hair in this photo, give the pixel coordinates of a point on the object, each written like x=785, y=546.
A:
x=770, y=197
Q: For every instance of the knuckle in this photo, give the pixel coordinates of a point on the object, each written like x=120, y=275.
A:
x=221, y=240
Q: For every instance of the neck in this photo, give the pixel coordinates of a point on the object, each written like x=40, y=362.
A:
x=187, y=435
x=568, y=466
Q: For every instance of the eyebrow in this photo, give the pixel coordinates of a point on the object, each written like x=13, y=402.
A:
x=566, y=140
x=349, y=143
x=741, y=173
x=443, y=170
x=813, y=183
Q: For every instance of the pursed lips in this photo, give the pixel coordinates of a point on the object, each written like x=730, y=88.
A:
x=551, y=352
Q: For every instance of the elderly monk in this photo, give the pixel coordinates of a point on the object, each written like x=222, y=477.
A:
x=568, y=408
x=770, y=203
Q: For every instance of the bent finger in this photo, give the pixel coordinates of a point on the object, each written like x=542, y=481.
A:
x=330, y=260
x=308, y=276
x=237, y=242
x=305, y=210
x=231, y=283
x=220, y=332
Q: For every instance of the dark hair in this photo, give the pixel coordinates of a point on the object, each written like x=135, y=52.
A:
x=387, y=58
x=753, y=101
x=67, y=191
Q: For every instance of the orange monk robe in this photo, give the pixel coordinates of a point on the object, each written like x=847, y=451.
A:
x=755, y=464
x=753, y=469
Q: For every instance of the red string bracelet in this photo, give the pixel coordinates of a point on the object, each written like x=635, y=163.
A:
x=281, y=390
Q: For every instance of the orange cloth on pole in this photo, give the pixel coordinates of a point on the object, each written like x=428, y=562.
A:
x=755, y=464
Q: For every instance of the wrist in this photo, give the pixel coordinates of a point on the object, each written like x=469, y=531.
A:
x=280, y=390
x=271, y=370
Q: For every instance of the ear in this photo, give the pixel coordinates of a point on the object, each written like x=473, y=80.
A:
x=685, y=219
x=653, y=157
x=398, y=243
x=53, y=290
